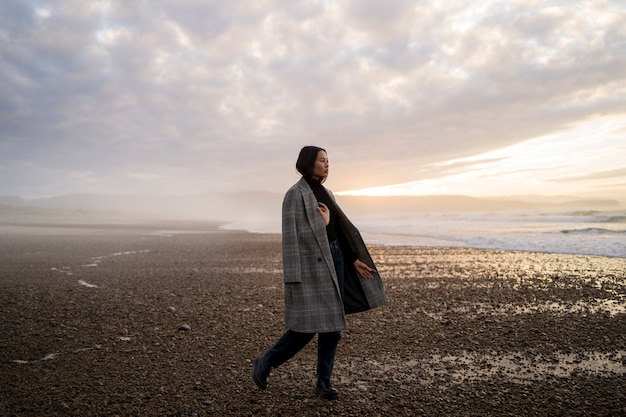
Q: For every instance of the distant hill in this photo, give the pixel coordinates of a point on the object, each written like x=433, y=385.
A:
x=265, y=205
x=209, y=206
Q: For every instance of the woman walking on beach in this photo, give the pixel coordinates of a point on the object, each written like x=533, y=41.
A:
x=328, y=273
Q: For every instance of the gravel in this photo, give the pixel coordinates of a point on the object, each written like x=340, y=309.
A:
x=117, y=321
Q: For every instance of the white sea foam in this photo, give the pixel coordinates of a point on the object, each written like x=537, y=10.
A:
x=588, y=233
x=64, y=270
x=130, y=252
x=96, y=260
x=591, y=233
x=52, y=356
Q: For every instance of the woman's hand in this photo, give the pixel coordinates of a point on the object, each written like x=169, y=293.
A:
x=363, y=270
x=324, y=212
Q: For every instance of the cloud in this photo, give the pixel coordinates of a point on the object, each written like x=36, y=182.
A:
x=212, y=95
x=597, y=175
x=561, y=163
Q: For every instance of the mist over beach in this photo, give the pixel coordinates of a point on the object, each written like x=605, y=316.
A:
x=532, y=223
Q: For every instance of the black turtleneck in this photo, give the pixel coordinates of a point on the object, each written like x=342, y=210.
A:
x=322, y=196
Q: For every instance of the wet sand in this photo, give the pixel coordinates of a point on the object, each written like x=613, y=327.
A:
x=105, y=320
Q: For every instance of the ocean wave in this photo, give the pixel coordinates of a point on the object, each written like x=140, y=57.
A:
x=585, y=213
x=594, y=231
x=614, y=219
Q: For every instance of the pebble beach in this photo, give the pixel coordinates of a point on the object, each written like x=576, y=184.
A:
x=165, y=319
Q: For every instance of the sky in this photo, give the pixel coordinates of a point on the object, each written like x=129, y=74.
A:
x=176, y=97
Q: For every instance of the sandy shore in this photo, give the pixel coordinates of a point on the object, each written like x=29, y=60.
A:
x=93, y=318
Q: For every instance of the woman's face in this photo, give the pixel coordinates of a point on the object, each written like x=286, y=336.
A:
x=320, y=168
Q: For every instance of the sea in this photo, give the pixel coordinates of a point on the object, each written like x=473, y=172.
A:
x=593, y=232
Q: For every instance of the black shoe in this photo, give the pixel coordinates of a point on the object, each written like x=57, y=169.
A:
x=260, y=371
x=324, y=390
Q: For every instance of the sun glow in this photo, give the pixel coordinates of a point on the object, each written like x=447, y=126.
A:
x=567, y=162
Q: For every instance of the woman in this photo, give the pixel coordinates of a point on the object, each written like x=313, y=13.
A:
x=328, y=273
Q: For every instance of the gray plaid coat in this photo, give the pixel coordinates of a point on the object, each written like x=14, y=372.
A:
x=313, y=302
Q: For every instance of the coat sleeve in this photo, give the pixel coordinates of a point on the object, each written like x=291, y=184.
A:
x=293, y=209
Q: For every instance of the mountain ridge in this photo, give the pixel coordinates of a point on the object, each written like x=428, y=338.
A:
x=264, y=204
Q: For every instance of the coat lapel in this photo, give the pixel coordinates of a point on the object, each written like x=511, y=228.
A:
x=315, y=220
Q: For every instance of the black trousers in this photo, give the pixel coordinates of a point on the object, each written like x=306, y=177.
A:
x=292, y=342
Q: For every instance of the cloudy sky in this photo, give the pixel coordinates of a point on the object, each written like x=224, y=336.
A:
x=421, y=97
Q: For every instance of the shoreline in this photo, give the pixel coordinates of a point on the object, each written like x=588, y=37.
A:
x=185, y=227
x=90, y=221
